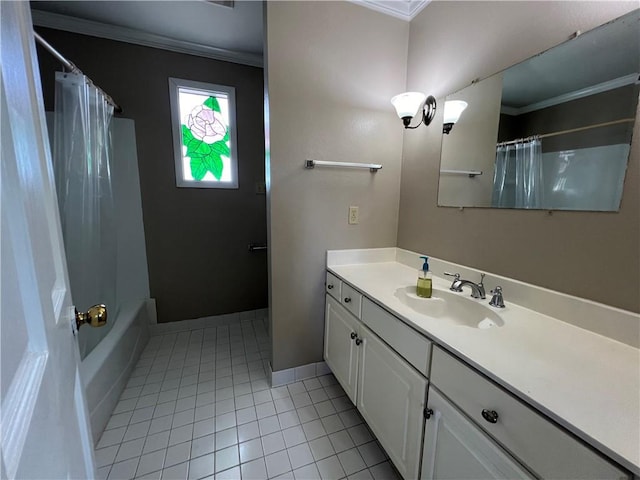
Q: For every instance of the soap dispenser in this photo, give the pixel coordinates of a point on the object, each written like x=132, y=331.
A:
x=423, y=288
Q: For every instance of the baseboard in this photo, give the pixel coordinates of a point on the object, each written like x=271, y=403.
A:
x=152, y=312
x=295, y=374
x=207, y=322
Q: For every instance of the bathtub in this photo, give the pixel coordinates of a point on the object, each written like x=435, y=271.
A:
x=105, y=371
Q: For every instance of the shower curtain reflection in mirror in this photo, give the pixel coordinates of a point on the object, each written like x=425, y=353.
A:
x=81, y=157
x=517, y=178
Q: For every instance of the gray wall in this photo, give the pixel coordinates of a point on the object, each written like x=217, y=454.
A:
x=470, y=145
x=196, y=239
x=591, y=255
x=332, y=68
x=603, y=107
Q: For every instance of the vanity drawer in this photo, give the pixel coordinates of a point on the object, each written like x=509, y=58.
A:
x=332, y=286
x=415, y=348
x=351, y=299
x=544, y=447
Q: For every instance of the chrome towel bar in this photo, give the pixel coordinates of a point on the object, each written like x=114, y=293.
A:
x=471, y=173
x=373, y=167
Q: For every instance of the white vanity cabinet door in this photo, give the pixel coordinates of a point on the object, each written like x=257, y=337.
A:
x=540, y=444
x=391, y=396
x=340, y=349
x=455, y=448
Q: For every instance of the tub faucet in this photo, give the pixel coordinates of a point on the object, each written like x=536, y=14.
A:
x=477, y=289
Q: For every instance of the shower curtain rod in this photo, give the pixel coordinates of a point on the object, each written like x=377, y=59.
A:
x=70, y=66
x=563, y=132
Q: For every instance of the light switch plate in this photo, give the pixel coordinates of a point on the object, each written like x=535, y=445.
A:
x=353, y=215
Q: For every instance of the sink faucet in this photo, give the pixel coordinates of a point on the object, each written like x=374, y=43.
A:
x=477, y=289
x=497, y=300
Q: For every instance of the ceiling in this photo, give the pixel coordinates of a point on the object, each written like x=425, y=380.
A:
x=207, y=28
x=235, y=33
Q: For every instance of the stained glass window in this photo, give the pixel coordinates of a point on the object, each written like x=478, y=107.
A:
x=203, y=118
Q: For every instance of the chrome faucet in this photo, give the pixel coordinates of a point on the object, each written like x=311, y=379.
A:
x=455, y=286
x=497, y=300
x=477, y=289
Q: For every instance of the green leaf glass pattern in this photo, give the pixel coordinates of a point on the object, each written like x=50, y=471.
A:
x=205, y=157
x=221, y=147
x=212, y=103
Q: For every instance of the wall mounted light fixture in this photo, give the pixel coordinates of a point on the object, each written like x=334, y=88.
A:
x=452, y=111
x=408, y=104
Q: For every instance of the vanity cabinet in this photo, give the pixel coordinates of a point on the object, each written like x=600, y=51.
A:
x=333, y=286
x=454, y=447
x=391, y=399
x=475, y=429
x=386, y=389
x=546, y=449
x=340, y=350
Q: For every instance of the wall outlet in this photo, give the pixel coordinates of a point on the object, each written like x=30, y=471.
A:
x=353, y=215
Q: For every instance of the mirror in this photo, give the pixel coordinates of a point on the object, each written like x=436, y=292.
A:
x=552, y=132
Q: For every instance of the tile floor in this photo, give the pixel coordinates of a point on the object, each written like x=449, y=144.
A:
x=198, y=405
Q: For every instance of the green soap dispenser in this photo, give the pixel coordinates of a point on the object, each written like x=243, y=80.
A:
x=423, y=288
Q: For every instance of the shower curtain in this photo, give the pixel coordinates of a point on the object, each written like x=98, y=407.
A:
x=500, y=196
x=517, y=179
x=81, y=157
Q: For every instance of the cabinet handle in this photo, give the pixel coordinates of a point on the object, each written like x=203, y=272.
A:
x=358, y=341
x=427, y=413
x=354, y=335
x=330, y=286
x=347, y=300
x=490, y=416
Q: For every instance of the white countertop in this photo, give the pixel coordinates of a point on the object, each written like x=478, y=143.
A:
x=585, y=381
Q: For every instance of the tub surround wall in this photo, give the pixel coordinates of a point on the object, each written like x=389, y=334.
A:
x=332, y=68
x=190, y=232
x=132, y=275
x=132, y=279
x=106, y=370
x=587, y=254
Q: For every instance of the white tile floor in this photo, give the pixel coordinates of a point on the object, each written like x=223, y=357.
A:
x=198, y=405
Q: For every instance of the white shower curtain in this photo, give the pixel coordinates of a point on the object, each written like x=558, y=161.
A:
x=500, y=195
x=81, y=157
x=517, y=177
x=529, y=174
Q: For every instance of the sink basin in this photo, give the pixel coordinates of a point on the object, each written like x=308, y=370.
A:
x=455, y=308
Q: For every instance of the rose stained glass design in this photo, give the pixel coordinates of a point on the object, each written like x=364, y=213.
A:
x=204, y=127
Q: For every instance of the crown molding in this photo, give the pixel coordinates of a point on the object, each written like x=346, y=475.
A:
x=633, y=78
x=403, y=9
x=137, y=37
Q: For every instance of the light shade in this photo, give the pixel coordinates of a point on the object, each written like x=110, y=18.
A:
x=452, y=110
x=407, y=104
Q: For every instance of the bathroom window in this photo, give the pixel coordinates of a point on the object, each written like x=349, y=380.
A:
x=204, y=139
